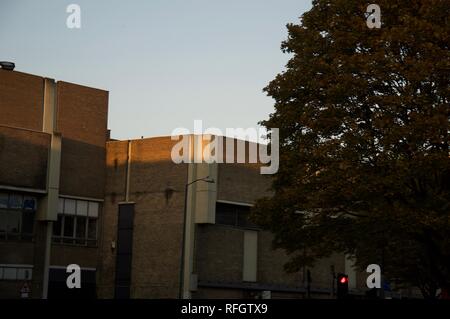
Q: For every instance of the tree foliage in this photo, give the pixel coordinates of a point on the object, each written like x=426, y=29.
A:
x=364, y=140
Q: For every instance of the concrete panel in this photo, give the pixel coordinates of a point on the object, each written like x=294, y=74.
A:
x=250, y=264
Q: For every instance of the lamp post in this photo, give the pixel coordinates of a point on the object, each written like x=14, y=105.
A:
x=183, y=247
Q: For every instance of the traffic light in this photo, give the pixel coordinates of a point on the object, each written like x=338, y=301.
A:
x=342, y=286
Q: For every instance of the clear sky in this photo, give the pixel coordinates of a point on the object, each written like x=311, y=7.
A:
x=165, y=63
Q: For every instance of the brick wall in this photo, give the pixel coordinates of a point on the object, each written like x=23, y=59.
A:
x=82, y=120
x=157, y=187
x=64, y=255
x=21, y=100
x=23, y=158
x=241, y=182
x=219, y=253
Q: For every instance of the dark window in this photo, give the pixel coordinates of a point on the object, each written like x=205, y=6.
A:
x=57, y=226
x=17, y=215
x=3, y=222
x=13, y=225
x=233, y=215
x=15, y=201
x=124, y=251
x=92, y=229
x=68, y=226
x=4, y=200
x=126, y=217
x=81, y=229
x=124, y=241
x=27, y=222
x=77, y=222
x=123, y=271
x=226, y=214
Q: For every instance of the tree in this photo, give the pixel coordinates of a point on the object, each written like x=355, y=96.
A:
x=364, y=140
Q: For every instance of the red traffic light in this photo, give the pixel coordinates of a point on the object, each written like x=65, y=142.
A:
x=342, y=286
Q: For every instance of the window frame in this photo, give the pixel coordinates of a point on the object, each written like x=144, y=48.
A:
x=19, y=210
x=237, y=212
x=17, y=269
x=74, y=239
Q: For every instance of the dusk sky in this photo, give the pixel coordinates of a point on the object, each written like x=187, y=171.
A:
x=165, y=63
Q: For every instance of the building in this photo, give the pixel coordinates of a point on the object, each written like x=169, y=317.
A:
x=225, y=254
x=138, y=225
x=52, y=181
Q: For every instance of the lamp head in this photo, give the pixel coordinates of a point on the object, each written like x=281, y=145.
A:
x=207, y=179
x=9, y=66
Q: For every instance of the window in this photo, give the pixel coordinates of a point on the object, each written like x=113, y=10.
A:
x=4, y=200
x=15, y=201
x=92, y=228
x=81, y=227
x=57, y=226
x=234, y=215
x=23, y=274
x=17, y=216
x=77, y=222
x=13, y=225
x=10, y=273
x=69, y=227
x=27, y=222
x=3, y=222
x=16, y=272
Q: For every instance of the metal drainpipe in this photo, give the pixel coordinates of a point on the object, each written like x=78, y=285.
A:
x=127, y=186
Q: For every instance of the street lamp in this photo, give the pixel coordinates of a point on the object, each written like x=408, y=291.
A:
x=9, y=66
x=183, y=248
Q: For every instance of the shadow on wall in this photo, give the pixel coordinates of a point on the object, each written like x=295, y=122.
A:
x=24, y=160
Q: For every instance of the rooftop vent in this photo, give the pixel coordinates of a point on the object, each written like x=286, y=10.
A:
x=7, y=65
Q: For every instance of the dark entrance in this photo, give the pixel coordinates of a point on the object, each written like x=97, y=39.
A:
x=124, y=250
x=57, y=286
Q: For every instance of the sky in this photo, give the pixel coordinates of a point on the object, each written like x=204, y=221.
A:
x=165, y=63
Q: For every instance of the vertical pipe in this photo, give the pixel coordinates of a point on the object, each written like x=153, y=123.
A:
x=183, y=244
x=127, y=186
x=48, y=243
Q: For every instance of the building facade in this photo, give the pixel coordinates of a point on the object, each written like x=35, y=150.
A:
x=138, y=225
x=223, y=254
x=52, y=180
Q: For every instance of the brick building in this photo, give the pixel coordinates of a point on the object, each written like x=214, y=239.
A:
x=225, y=254
x=52, y=181
x=68, y=195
